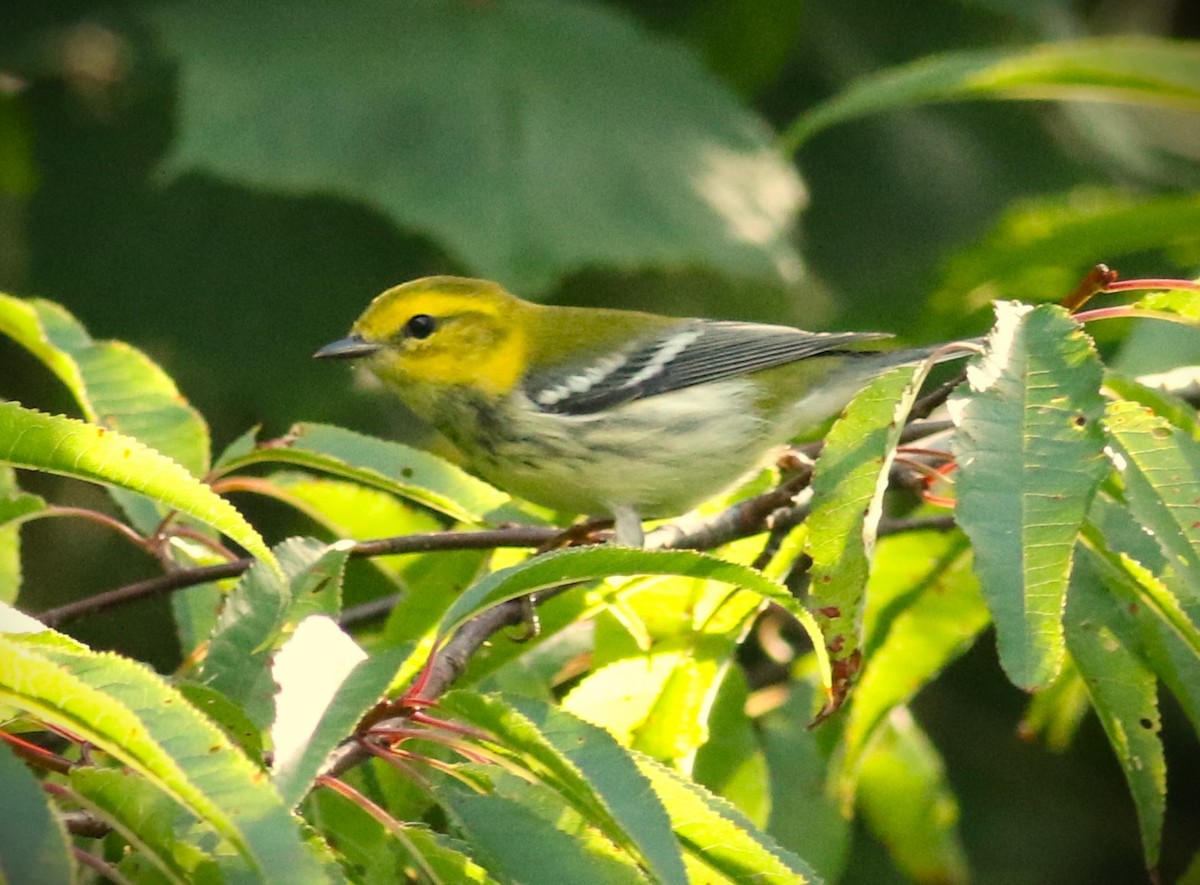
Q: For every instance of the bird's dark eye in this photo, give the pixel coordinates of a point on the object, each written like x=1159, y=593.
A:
x=420, y=326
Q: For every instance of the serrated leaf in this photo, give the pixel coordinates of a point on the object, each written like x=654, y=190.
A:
x=519, y=846
x=129, y=712
x=496, y=122
x=34, y=845
x=907, y=801
x=718, y=836
x=1142, y=70
x=849, y=479
x=1124, y=693
x=115, y=385
x=326, y=683
x=581, y=564
x=582, y=762
x=259, y=615
x=147, y=819
x=1030, y=456
x=392, y=467
x=932, y=617
x=55, y=444
x=1160, y=467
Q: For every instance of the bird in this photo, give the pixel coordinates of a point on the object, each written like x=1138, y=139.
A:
x=605, y=412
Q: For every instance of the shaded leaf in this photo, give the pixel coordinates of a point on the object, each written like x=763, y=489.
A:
x=1029, y=450
x=497, y=135
x=1124, y=693
x=34, y=846
x=1142, y=70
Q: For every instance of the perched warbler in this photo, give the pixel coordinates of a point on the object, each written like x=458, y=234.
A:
x=604, y=411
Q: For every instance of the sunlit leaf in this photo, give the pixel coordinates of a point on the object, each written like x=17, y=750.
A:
x=68, y=447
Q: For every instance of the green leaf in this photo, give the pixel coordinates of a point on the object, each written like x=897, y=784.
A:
x=1160, y=467
x=1030, y=456
x=849, y=479
x=1139, y=70
x=587, y=767
x=688, y=632
x=16, y=507
x=34, y=846
x=1055, y=713
x=127, y=710
x=581, y=564
x=68, y=447
x=517, y=845
x=924, y=612
x=1040, y=247
x=719, y=837
x=259, y=615
x=1124, y=693
x=157, y=828
x=907, y=802
x=326, y=683
x=392, y=467
x=805, y=816
x=114, y=384
x=495, y=135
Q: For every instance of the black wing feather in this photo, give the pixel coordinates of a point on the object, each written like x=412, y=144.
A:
x=684, y=355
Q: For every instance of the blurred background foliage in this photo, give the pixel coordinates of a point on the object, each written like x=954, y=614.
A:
x=225, y=185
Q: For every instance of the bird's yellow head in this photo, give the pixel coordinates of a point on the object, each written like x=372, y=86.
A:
x=441, y=332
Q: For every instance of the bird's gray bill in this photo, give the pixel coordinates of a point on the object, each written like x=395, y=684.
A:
x=351, y=348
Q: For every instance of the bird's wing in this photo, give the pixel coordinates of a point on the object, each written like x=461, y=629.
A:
x=683, y=355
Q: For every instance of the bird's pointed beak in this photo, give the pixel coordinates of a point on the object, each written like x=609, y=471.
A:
x=350, y=348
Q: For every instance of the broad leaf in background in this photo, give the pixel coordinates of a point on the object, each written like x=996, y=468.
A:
x=1133, y=69
x=68, y=447
x=1030, y=456
x=34, y=846
x=504, y=130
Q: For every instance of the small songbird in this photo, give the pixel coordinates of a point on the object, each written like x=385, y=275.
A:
x=604, y=412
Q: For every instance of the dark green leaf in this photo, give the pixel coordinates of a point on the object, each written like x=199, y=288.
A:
x=1141, y=70
x=492, y=129
x=34, y=846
